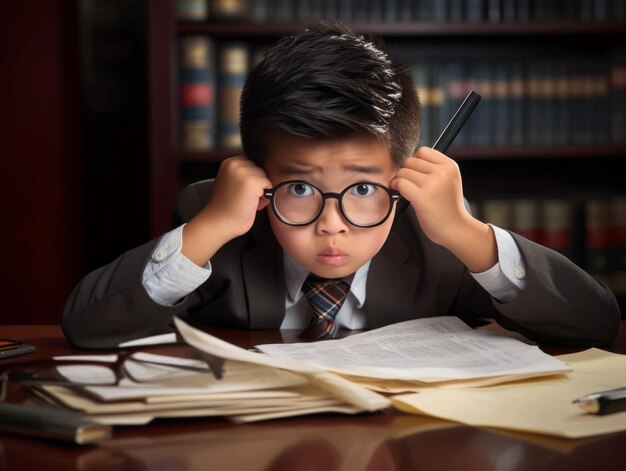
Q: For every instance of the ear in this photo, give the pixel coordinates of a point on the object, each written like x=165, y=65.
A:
x=263, y=202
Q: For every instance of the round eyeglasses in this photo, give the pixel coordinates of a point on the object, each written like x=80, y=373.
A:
x=363, y=204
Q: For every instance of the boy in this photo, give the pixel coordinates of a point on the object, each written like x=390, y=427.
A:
x=329, y=125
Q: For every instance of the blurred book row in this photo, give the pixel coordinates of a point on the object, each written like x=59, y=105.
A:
x=525, y=102
x=591, y=232
x=535, y=101
x=393, y=11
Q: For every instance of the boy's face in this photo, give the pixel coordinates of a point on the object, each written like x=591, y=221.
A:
x=330, y=247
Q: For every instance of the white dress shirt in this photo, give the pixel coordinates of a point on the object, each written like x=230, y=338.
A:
x=170, y=276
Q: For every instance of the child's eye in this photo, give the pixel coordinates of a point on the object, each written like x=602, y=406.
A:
x=301, y=189
x=362, y=189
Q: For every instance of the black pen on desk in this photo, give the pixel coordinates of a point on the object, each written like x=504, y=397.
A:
x=603, y=402
x=451, y=130
x=48, y=422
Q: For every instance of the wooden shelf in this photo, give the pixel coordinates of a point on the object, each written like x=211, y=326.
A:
x=473, y=153
x=427, y=29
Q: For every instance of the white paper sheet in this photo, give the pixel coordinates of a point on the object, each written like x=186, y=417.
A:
x=429, y=349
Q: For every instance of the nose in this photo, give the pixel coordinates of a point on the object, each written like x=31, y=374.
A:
x=331, y=221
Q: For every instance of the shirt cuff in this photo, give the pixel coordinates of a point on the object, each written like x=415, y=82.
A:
x=169, y=275
x=508, y=276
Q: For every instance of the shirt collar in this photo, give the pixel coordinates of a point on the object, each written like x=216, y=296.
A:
x=296, y=274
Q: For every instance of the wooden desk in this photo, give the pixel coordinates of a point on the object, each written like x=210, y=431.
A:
x=381, y=441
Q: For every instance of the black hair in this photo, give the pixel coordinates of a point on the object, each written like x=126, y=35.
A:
x=329, y=83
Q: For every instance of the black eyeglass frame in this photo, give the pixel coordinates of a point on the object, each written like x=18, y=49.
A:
x=26, y=373
x=393, y=197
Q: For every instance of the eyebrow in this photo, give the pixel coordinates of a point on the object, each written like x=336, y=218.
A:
x=291, y=169
x=368, y=169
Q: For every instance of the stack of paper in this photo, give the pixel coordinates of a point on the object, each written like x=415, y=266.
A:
x=247, y=392
x=345, y=375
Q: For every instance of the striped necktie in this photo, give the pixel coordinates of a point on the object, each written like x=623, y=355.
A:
x=326, y=297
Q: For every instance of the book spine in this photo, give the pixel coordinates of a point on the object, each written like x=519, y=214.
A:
x=517, y=92
x=601, y=125
x=197, y=94
x=230, y=10
x=192, y=10
x=580, y=102
x=260, y=11
x=474, y=10
x=456, y=10
x=495, y=10
x=502, y=102
x=618, y=96
x=525, y=219
x=233, y=69
x=345, y=10
x=422, y=86
x=597, y=234
x=562, y=98
x=483, y=124
x=498, y=212
x=456, y=86
x=281, y=10
x=557, y=224
x=617, y=249
x=532, y=105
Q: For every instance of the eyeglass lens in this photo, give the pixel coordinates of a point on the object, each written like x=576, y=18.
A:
x=363, y=204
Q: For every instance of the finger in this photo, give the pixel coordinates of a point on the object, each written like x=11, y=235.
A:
x=420, y=165
x=430, y=155
x=407, y=188
x=415, y=177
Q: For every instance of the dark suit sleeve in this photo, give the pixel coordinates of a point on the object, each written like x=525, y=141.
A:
x=110, y=305
x=560, y=303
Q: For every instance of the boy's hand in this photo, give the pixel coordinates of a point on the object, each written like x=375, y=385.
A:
x=432, y=183
x=236, y=197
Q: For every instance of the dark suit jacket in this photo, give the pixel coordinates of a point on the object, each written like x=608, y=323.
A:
x=409, y=278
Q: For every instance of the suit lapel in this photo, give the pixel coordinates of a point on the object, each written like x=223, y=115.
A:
x=391, y=284
x=264, y=279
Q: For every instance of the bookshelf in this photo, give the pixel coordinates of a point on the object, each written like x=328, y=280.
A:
x=576, y=171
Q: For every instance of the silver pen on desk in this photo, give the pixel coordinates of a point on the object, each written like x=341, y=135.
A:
x=603, y=402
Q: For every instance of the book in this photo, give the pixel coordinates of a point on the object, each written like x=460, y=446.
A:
x=230, y=10
x=423, y=86
x=233, y=70
x=597, y=237
x=52, y=423
x=502, y=103
x=526, y=219
x=192, y=10
x=557, y=226
x=617, y=246
x=197, y=94
x=618, y=95
x=498, y=212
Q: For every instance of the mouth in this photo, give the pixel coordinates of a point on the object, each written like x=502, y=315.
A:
x=332, y=257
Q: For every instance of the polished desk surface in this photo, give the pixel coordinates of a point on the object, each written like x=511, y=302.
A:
x=386, y=440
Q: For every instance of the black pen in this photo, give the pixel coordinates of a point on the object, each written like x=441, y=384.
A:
x=451, y=130
x=603, y=402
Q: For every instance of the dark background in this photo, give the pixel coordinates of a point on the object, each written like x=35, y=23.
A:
x=80, y=88
x=73, y=130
